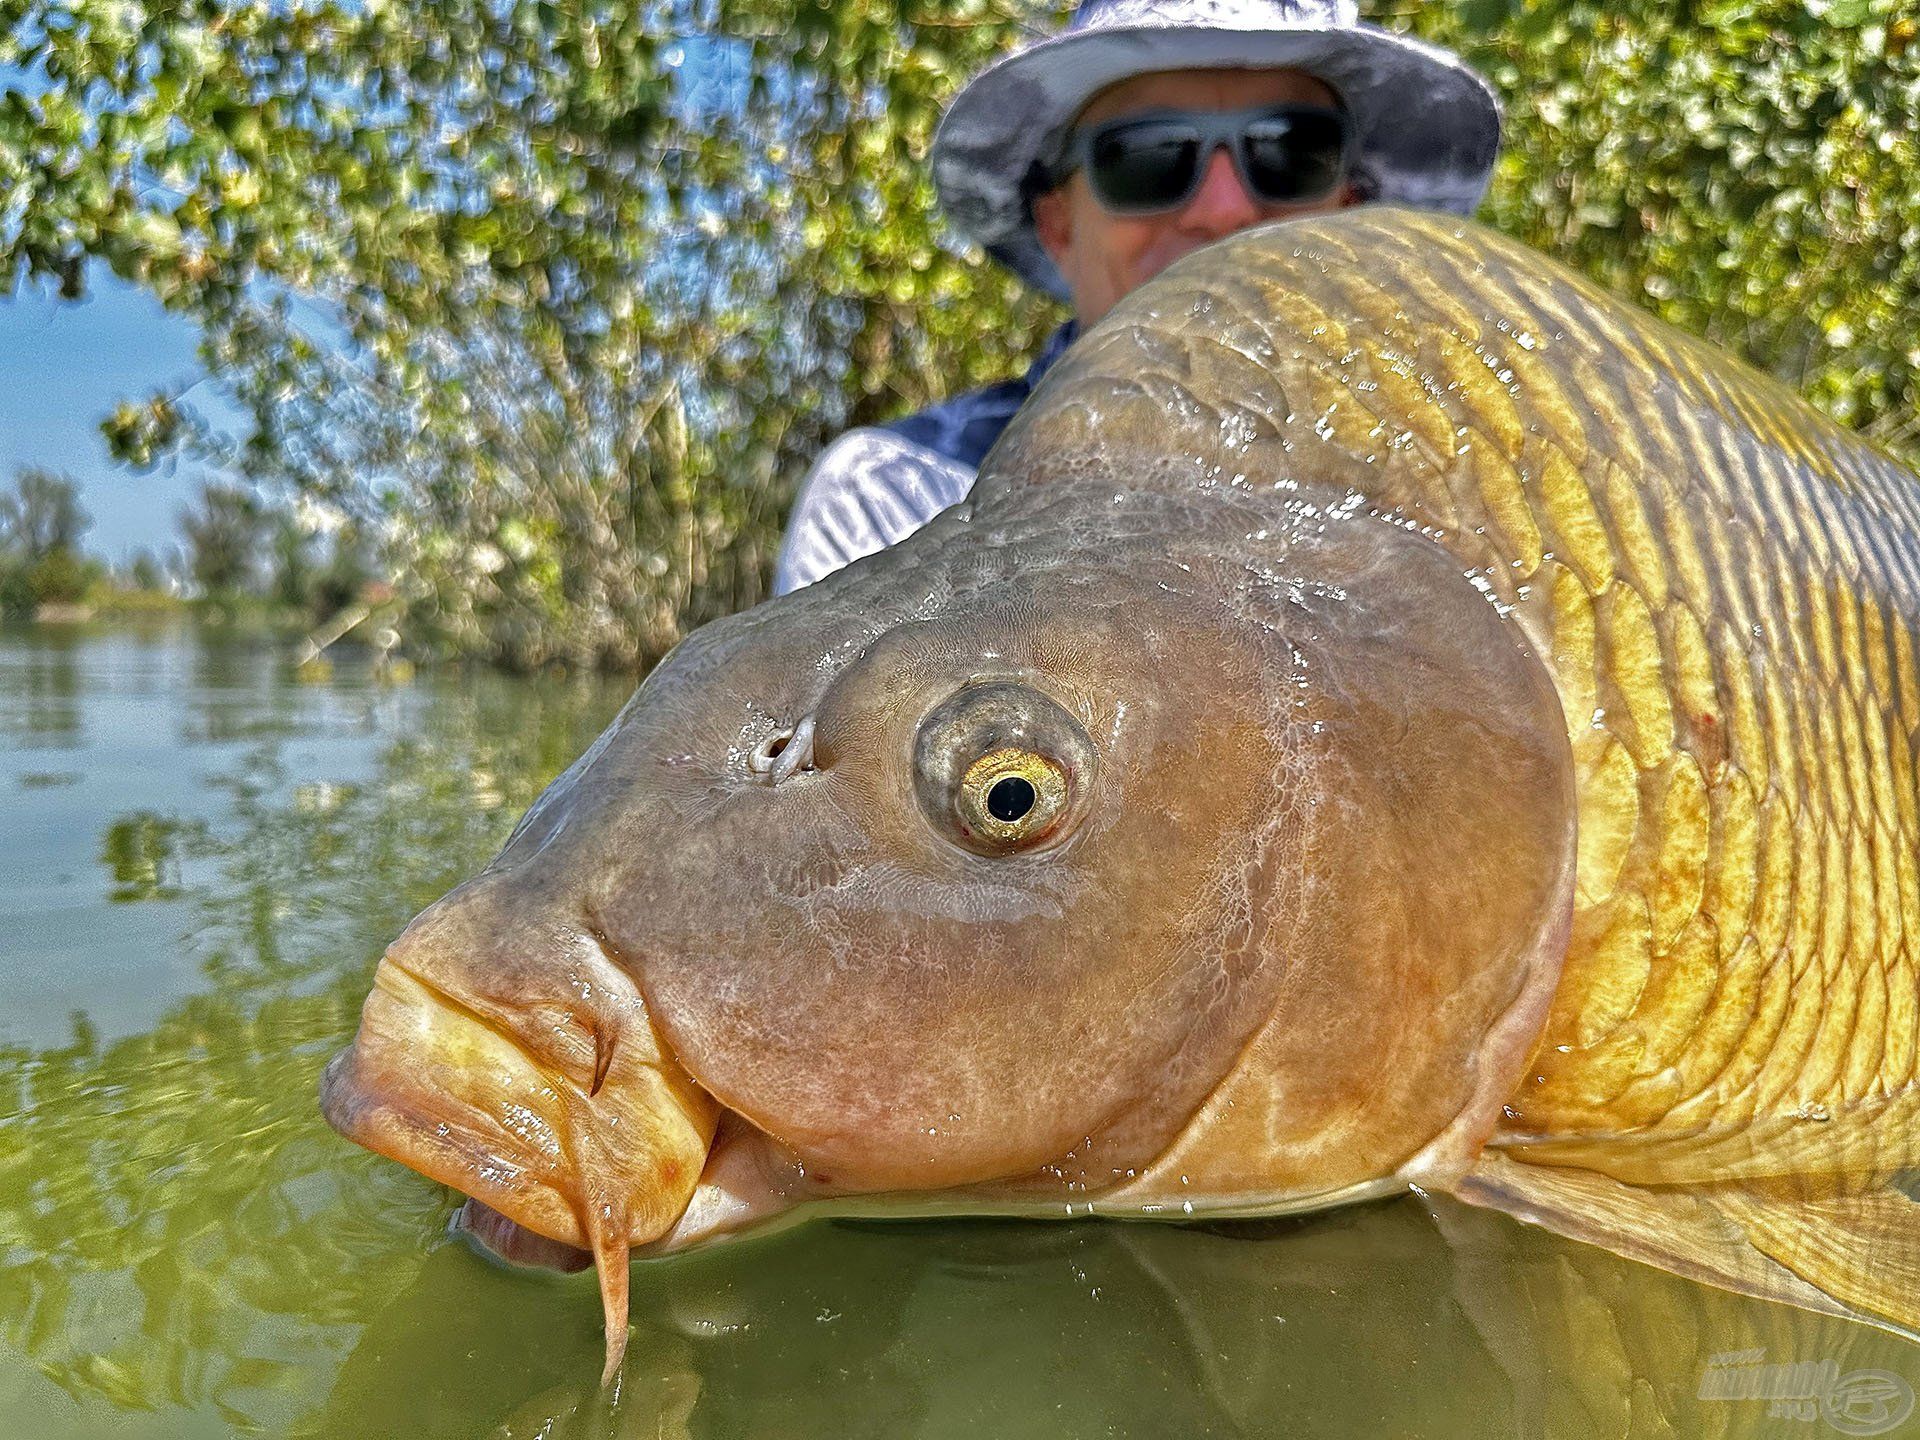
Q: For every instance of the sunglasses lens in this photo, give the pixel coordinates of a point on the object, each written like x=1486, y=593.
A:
x=1147, y=166
x=1296, y=156
x=1295, y=153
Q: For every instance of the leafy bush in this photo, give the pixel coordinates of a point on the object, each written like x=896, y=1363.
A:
x=18, y=599
x=559, y=301
x=1748, y=169
x=64, y=577
x=41, y=528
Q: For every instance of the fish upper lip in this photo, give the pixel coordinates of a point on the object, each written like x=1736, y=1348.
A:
x=346, y=1093
x=448, y=1000
x=509, y=1128
x=384, y=1108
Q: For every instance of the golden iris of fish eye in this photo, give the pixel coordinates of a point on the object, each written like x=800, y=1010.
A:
x=1049, y=784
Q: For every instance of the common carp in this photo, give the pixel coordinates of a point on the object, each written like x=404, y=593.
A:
x=1388, y=715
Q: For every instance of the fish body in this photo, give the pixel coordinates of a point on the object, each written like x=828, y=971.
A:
x=1387, y=715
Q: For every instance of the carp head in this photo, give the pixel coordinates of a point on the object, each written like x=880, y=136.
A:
x=1114, y=844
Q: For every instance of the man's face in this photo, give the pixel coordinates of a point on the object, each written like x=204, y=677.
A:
x=1102, y=255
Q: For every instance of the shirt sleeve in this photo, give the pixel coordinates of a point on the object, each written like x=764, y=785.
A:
x=869, y=489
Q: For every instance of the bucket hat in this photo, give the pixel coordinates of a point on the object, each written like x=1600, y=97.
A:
x=1426, y=125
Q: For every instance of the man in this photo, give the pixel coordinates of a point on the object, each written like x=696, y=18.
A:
x=1090, y=161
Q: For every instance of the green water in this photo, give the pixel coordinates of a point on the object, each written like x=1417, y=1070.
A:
x=201, y=861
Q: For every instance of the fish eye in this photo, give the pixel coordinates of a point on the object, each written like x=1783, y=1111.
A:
x=1000, y=767
x=1011, y=795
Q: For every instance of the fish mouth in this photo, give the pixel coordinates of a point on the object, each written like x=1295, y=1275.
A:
x=749, y=1178
x=598, y=1163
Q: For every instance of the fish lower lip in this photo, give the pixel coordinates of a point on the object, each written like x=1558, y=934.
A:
x=508, y=1240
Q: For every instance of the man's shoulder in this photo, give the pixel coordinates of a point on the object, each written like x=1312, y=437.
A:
x=878, y=484
x=869, y=488
x=964, y=428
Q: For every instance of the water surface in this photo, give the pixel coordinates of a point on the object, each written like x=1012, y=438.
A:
x=202, y=860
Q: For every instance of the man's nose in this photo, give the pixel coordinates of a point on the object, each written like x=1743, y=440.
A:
x=1221, y=205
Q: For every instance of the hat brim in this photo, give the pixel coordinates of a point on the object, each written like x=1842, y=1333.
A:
x=1426, y=125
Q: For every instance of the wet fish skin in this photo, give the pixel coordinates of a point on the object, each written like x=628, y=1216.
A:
x=1725, y=587
x=1484, y=719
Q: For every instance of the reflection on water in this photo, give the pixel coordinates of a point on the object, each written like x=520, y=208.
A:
x=185, y=1249
x=143, y=850
x=40, y=700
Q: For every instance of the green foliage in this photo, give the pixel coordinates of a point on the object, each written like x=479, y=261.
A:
x=145, y=572
x=559, y=299
x=315, y=567
x=18, y=600
x=41, y=528
x=142, y=585
x=42, y=515
x=1748, y=169
x=290, y=561
x=565, y=285
x=223, y=538
x=343, y=577
x=62, y=577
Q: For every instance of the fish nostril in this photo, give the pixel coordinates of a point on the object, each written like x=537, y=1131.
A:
x=784, y=753
x=769, y=750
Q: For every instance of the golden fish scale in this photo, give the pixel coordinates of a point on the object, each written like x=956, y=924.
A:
x=1725, y=585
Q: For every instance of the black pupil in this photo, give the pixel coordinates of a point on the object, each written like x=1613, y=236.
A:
x=1009, y=799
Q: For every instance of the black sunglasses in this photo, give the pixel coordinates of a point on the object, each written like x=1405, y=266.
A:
x=1140, y=164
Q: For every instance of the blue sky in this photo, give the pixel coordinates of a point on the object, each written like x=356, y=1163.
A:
x=64, y=365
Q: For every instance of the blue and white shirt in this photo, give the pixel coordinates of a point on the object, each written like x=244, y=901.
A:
x=878, y=484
